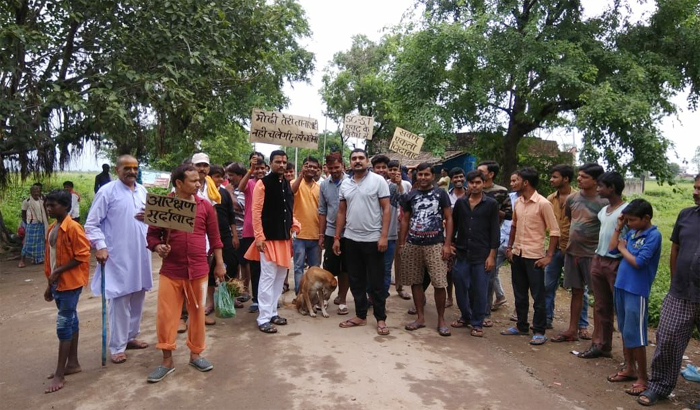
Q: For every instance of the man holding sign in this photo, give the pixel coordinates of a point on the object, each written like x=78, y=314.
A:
x=116, y=230
x=184, y=274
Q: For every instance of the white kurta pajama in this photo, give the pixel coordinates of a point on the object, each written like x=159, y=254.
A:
x=111, y=224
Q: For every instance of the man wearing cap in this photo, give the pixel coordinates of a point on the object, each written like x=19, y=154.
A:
x=116, y=230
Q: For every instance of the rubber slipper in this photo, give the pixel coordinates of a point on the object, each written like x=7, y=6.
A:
x=118, y=358
x=159, y=374
x=343, y=309
x=620, y=378
x=498, y=303
x=476, y=332
x=487, y=323
x=237, y=304
x=412, y=311
x=444, y=331
x=648, y=398
x=561, y=337
x=414, y=326
x=208, y=310
x=459, y=323
x=136, y=344
x=349, y=323
x=636, y=389
x=201, y=364
x=404, y=295
x=584, y=335
x=513, y=331
x=267, y=328
x=538, y=340
x=382, y=330
x=278, y=320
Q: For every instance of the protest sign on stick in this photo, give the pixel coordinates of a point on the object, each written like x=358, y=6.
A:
x=170, y=212
x=406, y=143
x=272, y=127
x=358, y=126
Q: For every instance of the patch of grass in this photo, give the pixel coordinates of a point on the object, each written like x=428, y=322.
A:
x=14, y=195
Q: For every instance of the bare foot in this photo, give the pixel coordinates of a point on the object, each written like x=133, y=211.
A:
x=56, y=385
x=69, y=370
x=22, y=265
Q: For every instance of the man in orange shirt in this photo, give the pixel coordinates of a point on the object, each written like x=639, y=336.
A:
x=532, y=218
x=66, y=265
x=306, y=192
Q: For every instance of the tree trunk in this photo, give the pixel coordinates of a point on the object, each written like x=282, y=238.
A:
x=509, y=162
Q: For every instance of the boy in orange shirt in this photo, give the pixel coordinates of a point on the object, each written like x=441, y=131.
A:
x=66, y=266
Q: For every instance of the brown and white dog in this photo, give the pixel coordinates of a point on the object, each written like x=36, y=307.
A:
x=315, y=288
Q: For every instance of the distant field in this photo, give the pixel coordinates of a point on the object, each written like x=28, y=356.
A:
x=666, y=200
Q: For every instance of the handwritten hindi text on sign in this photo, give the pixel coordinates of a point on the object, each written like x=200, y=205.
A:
x=272, y=127
x=170, y=212
x=406, y=143
x=358, y=126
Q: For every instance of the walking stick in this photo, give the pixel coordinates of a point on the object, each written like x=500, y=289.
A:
x=104, y=315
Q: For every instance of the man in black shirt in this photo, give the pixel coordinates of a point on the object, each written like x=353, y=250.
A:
x=102, y=178
x=477, y=237
x=680, y=312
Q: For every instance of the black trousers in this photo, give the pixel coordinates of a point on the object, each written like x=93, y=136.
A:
x=526, y=277
x=366, y=266
x=230, y=260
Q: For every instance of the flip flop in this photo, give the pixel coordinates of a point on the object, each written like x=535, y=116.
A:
x=561, y=337
x=136, y=344
x=382, y=330
x=476, y=332
x=459, y=323
x=620, y=378
x=342, y=309
x=513, y=331
x=648, y=398
x=444, y=331
x=414, y=326
x=487, y=323
x=208, y=310
x=118, y=358
x=404, y=295
x=538, y=340
x=349, y=323
x=636, y=389
x=584, y=335
x=498, y=303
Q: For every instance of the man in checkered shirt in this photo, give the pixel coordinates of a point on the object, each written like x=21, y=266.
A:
x=680, y=311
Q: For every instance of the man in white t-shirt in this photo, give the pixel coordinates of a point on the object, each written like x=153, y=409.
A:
x=604, y=266
x=364, y=205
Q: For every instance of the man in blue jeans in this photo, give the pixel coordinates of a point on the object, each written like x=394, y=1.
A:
x=560, y=179
x=476, y=235
x=306, y=192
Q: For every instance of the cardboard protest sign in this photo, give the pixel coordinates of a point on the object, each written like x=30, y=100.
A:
x=358, y=126
x=272, y=127
x=170, y=212
x=406, y=143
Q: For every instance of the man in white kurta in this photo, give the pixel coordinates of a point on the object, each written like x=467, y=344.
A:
x=116, y=230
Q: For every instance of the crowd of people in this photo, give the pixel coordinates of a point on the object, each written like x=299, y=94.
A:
x=259, y=222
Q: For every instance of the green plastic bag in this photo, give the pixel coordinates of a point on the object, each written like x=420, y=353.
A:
x=223, y=302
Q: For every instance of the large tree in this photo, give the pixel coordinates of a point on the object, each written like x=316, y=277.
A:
x=358, y=81
x=511, y=67
x=151, y=78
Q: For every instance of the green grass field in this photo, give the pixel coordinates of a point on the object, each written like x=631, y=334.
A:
x=666, y=200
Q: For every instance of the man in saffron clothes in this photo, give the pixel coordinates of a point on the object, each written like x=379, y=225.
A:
x=184, y=274
x=273, y=223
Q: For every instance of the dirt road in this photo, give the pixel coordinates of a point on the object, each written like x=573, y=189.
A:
x=309, y=364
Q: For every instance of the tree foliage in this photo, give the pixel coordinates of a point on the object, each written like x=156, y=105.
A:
x=150, y=78
x=507, y=68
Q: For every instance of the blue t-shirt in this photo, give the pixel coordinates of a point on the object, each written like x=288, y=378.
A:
x=645, y=246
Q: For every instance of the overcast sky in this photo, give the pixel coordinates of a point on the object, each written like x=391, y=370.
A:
x=334, y=23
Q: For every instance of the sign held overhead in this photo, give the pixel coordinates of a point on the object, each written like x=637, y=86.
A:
x=406, y=143
x=358, y=126
x=273, y=127
x=170, y=212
